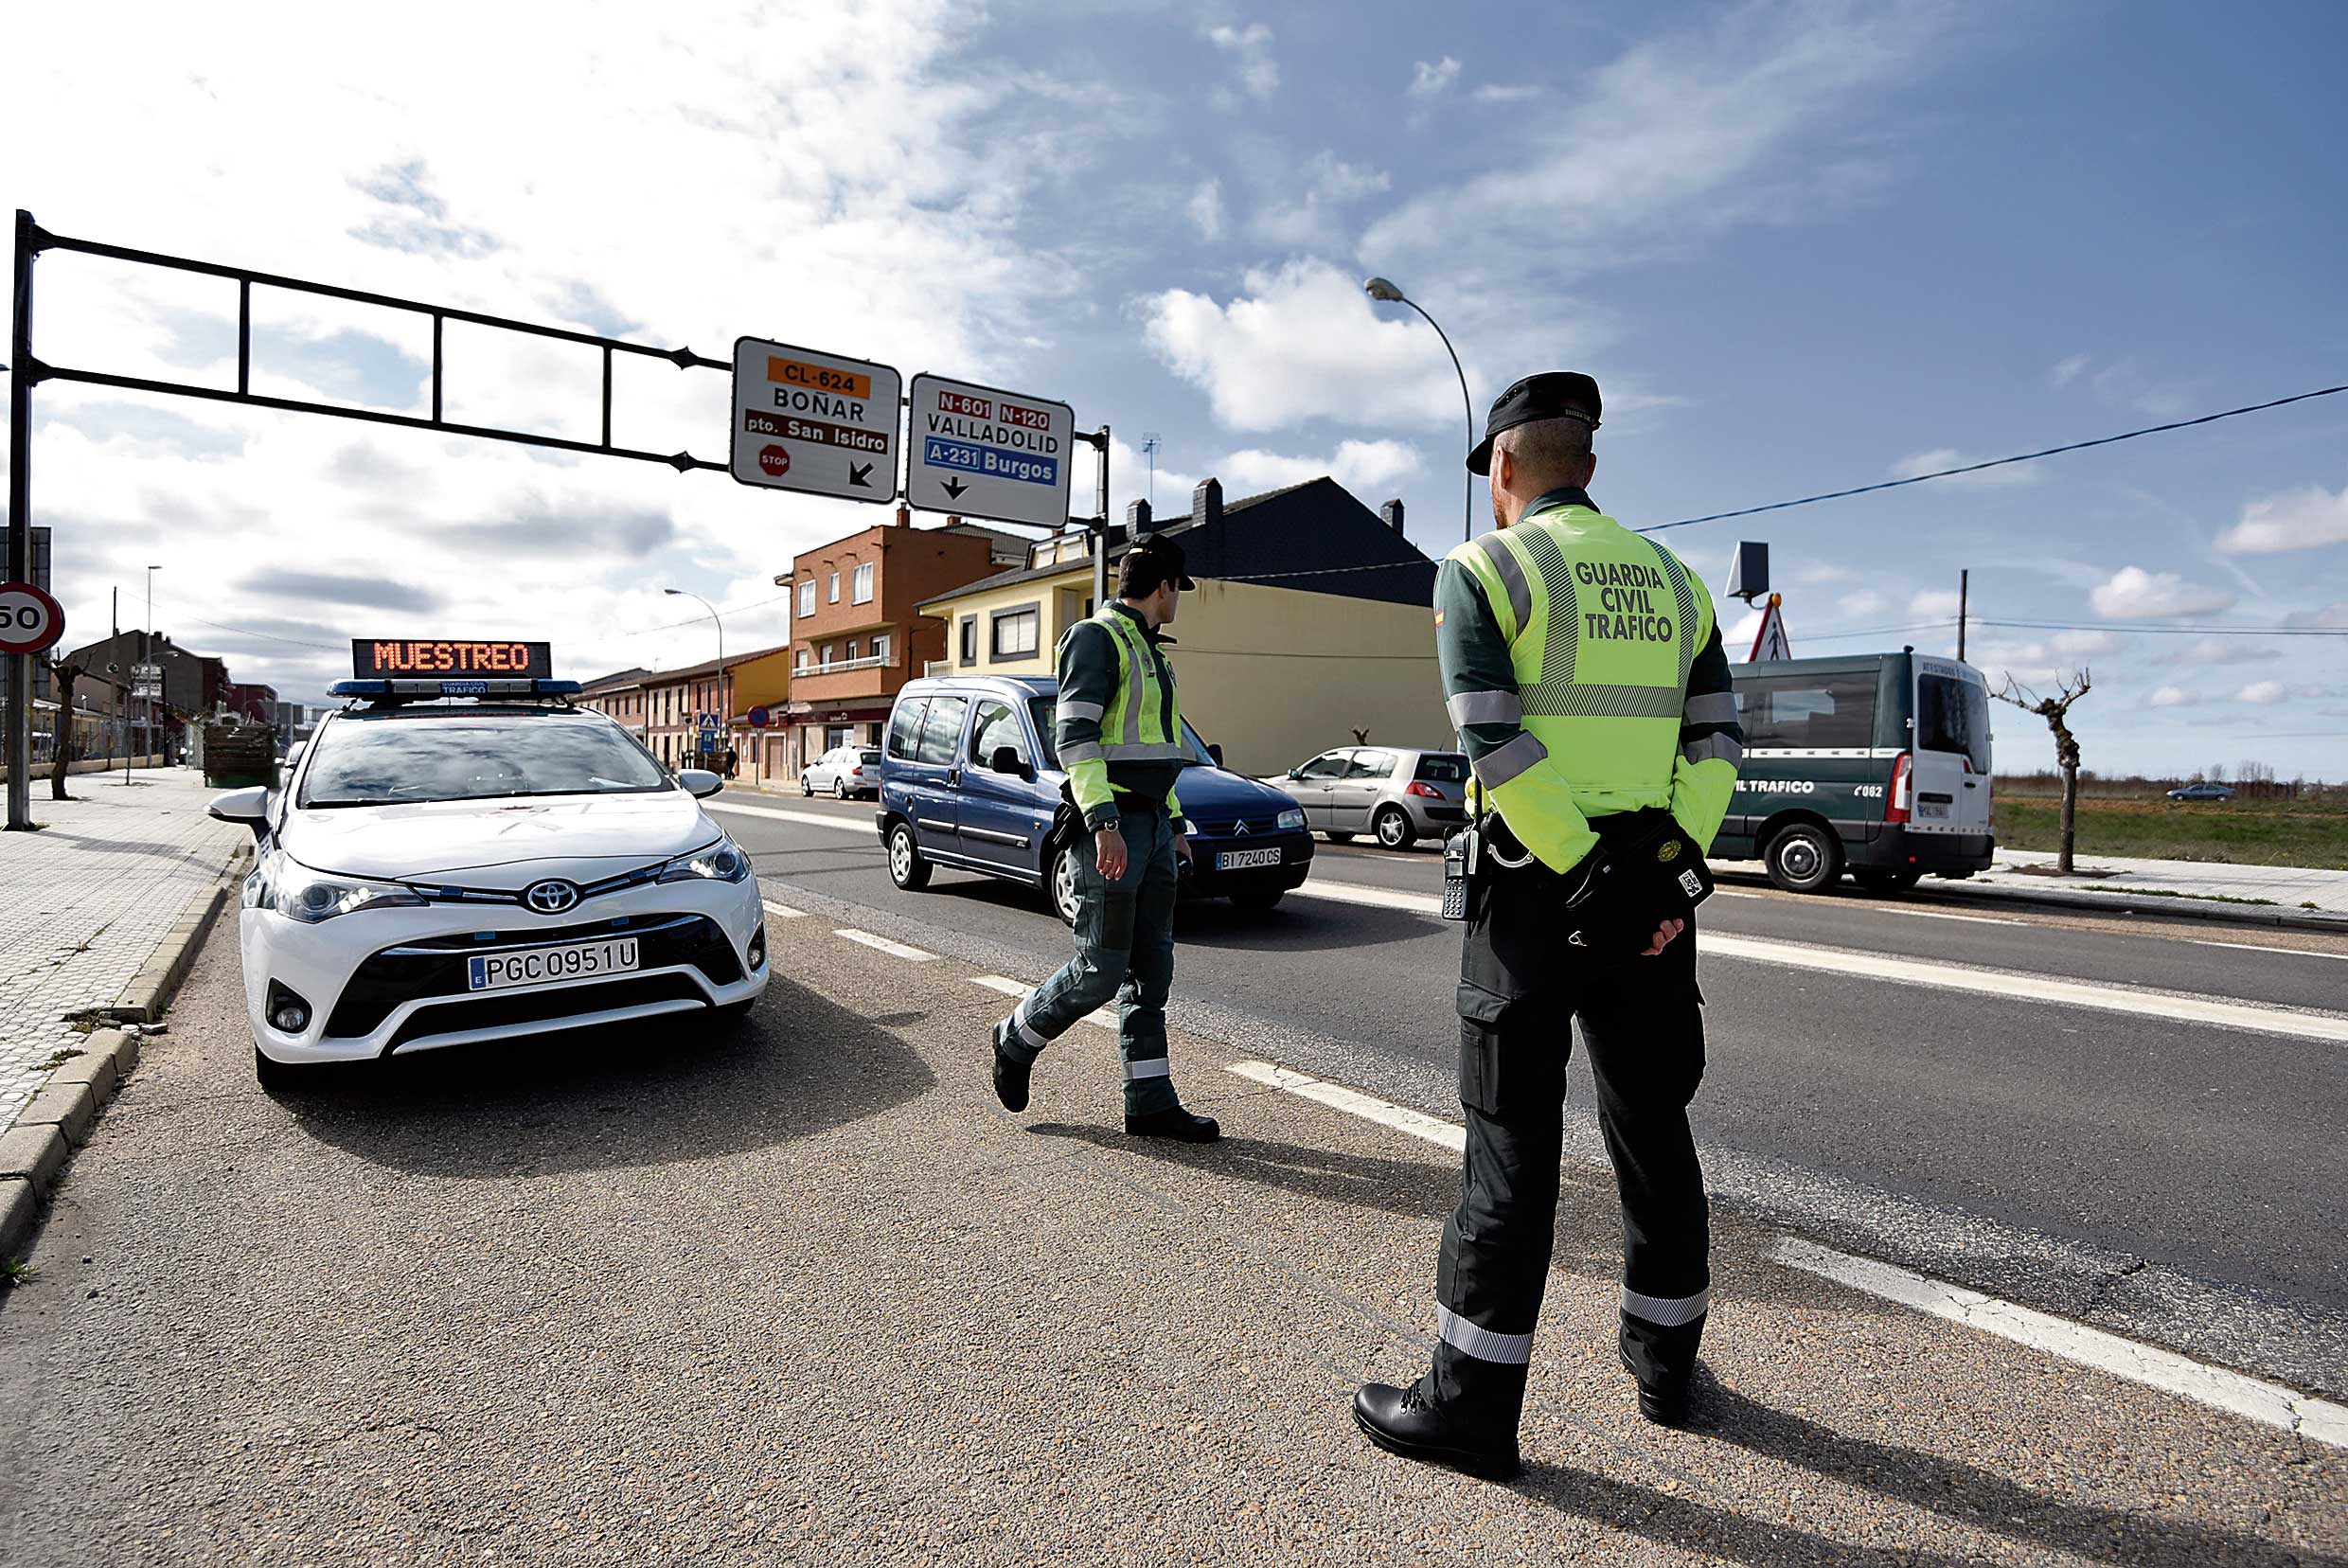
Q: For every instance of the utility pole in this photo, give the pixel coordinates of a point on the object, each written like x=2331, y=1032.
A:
x=1098, y=527
x=1965, y=582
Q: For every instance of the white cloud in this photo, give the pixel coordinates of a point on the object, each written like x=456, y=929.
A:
x=1428, y=81
x=2074, y=644
x=1948, y=457
x=1934, y=605
x=1506, y=92
x=1819, y=570
x=1258, y=72
x=1303, y=342
x=797, y=147
x=1309, y=220
x=1708, y=125
x=2133, y=592
x=2294, y=519
x=1866, y=601
x=1365, y=468
x=2221, y=651
x=2262, y=693
x=2169, y=696
x=1205, y=210
x=2063, y=374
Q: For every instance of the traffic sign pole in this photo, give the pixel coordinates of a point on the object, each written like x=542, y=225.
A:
x=22, y=373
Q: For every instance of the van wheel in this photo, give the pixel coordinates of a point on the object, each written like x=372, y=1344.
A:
x=1804, y=859
x=907, y=869
x=1064, y=884
x=1887, y=881
x=1392, y=828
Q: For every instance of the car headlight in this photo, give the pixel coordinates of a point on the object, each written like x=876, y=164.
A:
x=297, y=892
x=1292, y=817
x=720, y=862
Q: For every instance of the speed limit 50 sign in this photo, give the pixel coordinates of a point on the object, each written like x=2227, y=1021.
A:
x=30, y=620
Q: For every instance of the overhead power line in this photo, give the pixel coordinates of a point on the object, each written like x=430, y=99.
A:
x=1999, y=462
x=2202, y=628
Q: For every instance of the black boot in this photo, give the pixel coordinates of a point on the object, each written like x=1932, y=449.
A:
x=1662, y=1398
x=1010, y=1072
x=1173, y=1122
x=1400, y=1421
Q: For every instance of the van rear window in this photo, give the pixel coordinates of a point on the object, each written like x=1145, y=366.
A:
x=1808, y=712
x=1954, y=716
x=1443, y=767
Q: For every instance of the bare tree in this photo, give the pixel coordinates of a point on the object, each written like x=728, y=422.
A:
x=2056, y=710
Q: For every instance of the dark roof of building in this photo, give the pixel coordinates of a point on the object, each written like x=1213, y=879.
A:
x=708, y=666
x=619, y=679
x=1314, y=537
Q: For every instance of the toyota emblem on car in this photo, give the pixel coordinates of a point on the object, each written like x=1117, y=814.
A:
x=550, y=898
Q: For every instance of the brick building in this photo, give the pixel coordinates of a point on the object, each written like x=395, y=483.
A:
x=666, y=708
x=857, y=633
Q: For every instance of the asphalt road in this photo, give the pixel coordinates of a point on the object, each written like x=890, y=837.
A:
x=800, y=1292
x=2179, y=1181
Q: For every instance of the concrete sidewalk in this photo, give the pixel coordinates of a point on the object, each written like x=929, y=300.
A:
x=88, y=899
x=2289, y=887
x=807, y=1294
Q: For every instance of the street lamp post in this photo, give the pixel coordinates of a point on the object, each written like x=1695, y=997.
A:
x=1378, y=288
x=726, y=708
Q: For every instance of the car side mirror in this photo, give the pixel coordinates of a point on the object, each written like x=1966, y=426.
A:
x=1296, y=773
x=1215, y=750
x=1005, y=760
x=699, y=782
x=250, y=807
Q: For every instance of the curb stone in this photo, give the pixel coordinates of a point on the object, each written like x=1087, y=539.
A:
x=34, y=1151
x=2081, y=903
x=145, y=997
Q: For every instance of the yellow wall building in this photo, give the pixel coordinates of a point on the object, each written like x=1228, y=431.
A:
x=1312, y=622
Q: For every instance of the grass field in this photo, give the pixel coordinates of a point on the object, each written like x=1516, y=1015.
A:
x=2240, y=832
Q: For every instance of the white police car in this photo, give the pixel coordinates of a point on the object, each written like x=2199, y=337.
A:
x=460, y=860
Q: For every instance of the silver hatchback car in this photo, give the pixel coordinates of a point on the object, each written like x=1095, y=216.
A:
x=1395, y=794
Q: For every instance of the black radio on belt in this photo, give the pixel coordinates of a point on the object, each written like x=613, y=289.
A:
x=1460, y=852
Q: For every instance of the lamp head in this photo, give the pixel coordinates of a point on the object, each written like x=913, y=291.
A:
x=1378, y=288
x=677, y=591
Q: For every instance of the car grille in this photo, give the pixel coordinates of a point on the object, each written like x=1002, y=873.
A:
x=504, y=1011
x=434, y=966
x=1268, y=823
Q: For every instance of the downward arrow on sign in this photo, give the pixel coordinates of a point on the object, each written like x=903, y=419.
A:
x=859, y=476
x=955, y=488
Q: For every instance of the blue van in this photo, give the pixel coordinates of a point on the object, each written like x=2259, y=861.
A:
x=969, y=779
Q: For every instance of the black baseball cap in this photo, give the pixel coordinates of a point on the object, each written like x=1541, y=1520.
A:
x=1147, y=565
x=1551, y=395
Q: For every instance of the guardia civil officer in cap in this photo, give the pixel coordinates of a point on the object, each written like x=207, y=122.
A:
x=1119, y=735
x=1583, y=668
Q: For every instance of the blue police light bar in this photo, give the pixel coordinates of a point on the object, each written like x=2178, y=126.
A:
x=455, y=689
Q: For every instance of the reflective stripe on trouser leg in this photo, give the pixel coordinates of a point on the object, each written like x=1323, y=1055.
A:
x=1672, y=1312
x=1024, y=1041
x=1482, y=1344
x=1149, y=971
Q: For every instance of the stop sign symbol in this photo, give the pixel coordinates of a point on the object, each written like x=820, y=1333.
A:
x=774, y=460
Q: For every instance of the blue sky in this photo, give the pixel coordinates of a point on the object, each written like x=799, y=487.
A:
x=1802, y=247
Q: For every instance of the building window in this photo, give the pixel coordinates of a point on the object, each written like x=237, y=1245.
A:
x=969, y=639
x=852, y=650
x=831, y=651
x=1013, y=632
x=860, y=589
x=880, y=647
x=807, y=599
x=834, y=595
x=803, y=660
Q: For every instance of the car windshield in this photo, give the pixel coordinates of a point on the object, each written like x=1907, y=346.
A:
x=1041, y=708
x=384, y=758
x=1443, y=767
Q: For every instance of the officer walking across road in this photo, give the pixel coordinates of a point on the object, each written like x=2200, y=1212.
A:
x=1119, y=735
x=1583, y=667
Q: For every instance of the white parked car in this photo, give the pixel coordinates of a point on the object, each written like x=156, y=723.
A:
x=437, y=873
x=844, y=771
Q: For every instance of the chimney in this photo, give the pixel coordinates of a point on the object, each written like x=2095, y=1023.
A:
x=1137, y=519
x=1391, y=514
x=904, y=515
x=1206, y=503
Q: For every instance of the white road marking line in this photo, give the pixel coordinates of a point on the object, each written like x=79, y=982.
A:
x=882, y=944
x=2270, y=1403
x=1101, y=1017
x=2261, y=947
x=1936, y=915
x=783, y=912
x=1352, y=1101
x=2215, y=1386
x=841, y=825
x=1376, y=898
x=2030, y=988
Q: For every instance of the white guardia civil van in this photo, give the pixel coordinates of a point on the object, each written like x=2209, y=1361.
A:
x=458, y=861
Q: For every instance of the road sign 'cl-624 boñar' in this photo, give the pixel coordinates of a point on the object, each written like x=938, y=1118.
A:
x=811, y=421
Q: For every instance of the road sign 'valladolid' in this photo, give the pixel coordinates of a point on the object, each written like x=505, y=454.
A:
x=805, y=420
x=985, y=452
